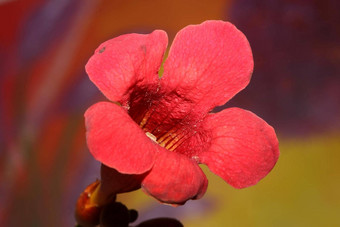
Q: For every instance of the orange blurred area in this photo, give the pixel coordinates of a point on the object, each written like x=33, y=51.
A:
x=44, y=92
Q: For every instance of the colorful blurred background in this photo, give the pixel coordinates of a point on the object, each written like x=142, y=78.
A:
x=44, y=91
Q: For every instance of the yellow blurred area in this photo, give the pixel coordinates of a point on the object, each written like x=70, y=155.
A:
x=302, y=190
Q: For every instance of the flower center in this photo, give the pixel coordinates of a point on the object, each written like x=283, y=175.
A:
x=170, y=140
x=168, y=120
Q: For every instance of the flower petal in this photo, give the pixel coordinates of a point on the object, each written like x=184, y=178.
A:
x=244, y=148
x=120, y=64
x=174, y=179
x=117, y=141
x=208, y=64
x=114, y=182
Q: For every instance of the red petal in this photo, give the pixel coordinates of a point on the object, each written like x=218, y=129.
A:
x=208, y=63
x=174, y=179
x=114, y=182
x=244, y=148
x=117, y=141
x=119, y=64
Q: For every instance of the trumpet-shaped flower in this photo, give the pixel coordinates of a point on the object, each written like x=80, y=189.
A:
x=162, y=128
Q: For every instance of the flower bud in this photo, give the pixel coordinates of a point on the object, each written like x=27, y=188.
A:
x=87, y=209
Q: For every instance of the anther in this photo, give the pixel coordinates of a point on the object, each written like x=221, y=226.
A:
x=151, y=136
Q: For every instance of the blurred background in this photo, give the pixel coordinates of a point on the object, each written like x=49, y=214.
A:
x=44, y=91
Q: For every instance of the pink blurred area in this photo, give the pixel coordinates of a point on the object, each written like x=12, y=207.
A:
x=44, y=46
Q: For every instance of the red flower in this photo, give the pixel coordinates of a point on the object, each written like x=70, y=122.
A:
x=162, y=127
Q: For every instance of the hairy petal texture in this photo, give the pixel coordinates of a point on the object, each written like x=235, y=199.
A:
x=174, y=179
x=120, y=64
x=117, y=141
x=244, y=148
x=208, y=64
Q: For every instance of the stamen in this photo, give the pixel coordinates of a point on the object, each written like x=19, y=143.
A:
x=151, y=136
x=174, y=141
x=166, y=135
x=173, y=145
x=171, y=139
x=145, y=119
x=164, y=142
